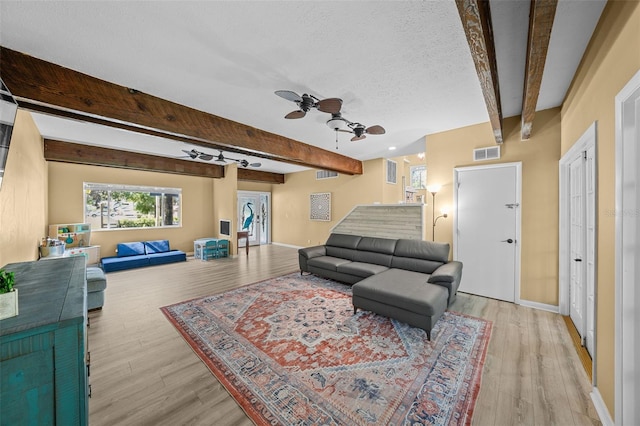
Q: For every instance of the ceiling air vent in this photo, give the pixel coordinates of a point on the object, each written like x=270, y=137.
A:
x=326, y=174
x=489, y=153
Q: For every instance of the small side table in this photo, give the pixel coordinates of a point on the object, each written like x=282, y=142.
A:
x=245, y=235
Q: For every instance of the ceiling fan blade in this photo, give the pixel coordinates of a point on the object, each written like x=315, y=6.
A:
x=331, y=105
x=255, y=164
x=296, y=114
x=375, y=130
x=206, y=157
x=193, y=153
x=358, y=138
x=289, y=95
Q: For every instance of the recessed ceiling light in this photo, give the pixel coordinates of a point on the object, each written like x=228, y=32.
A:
x=391, y=148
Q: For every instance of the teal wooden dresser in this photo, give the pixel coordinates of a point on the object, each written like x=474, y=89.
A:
x=43, y=354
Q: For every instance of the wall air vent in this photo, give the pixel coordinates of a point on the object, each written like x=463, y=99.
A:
x=489, y=153
x=326, y=174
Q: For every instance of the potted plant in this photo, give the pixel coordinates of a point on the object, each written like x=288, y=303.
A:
x=8, y=295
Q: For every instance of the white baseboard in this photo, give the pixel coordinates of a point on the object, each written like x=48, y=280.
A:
x=601, y=408
x=285, y=245
x=542, y=306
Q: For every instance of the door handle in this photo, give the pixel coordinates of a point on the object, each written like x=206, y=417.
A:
x=508, y=241
x=577, y=260
x=512, y=205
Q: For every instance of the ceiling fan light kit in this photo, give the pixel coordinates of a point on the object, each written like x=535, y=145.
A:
x=332, y=106
x=220, y=158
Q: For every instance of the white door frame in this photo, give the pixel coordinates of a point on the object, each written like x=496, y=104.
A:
x=584, y=143
x=518, y=236
x=627, y=212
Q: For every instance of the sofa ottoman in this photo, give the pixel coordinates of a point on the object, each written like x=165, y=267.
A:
x=96, y=284
x=403, y=295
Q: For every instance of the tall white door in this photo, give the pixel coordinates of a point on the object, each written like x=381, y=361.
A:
x=577, y=292
x=487, y=223
x=582, y=234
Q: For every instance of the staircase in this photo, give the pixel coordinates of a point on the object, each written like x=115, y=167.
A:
x=384, y=221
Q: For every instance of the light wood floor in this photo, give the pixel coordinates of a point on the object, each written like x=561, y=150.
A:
x=143, y=373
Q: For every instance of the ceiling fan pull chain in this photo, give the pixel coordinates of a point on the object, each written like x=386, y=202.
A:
x=336, y=139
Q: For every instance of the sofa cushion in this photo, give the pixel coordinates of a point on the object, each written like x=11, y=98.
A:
x=414, y=295
x=167, y=257
x=158, y=246
x=327, y=262
x=378, y=245
x=420, y=256
x=343, y=240
x=110, y=264
x=130, y=249
x=360, y=269
x=96, y=281
x=419, y=249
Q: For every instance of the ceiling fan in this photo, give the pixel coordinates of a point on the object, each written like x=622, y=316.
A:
x=341, y=124
x=332, y=106
x=306, y=102
x=220, y=158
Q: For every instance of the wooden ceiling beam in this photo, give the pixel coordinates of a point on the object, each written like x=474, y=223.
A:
x=76, y=153
x=251, y=175
x=541, y=16
x=476, y=21
x=61, y=89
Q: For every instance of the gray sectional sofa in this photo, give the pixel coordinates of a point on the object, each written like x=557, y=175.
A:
x=409, y=280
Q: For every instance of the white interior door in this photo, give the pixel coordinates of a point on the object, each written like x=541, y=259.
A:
x=487, y=224
x=576, y=248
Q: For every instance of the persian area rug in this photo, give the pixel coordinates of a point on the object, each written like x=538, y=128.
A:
x=291, y=351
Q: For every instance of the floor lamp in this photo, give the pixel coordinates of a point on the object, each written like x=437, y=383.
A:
x=433, y=189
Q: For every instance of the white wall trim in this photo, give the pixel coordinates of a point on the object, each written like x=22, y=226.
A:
x=540, y=306
x=627, y=204
x=601, y=408
x=286, y=245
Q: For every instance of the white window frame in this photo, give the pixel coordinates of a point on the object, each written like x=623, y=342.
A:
x=91, y=186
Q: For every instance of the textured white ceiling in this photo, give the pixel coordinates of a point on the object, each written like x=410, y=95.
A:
x=404, y=65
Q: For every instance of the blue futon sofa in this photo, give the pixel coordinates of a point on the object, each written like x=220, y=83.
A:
x=143, y=253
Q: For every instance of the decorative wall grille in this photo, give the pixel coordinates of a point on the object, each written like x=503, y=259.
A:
x=320, y=206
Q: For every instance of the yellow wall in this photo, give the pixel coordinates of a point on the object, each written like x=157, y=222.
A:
x=539, y=157
x=290, y=202
x=23, y=195
x=66, y=204
x=612, y=58
x=225, y=205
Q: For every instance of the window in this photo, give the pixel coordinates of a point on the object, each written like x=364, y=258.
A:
x=109, y=206
x=418, y=177
x=391, y=171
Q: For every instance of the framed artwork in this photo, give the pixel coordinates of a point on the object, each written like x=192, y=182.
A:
x=320, y=206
